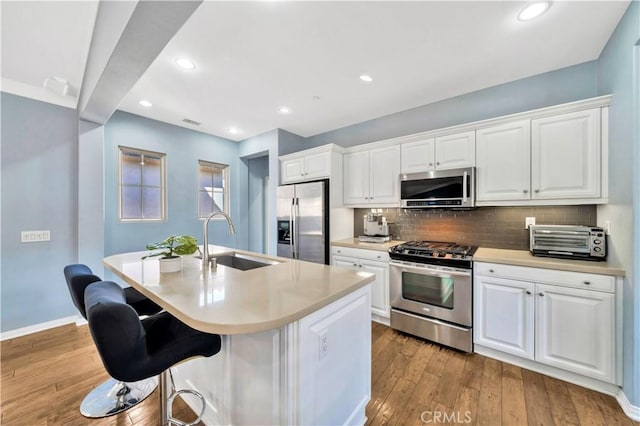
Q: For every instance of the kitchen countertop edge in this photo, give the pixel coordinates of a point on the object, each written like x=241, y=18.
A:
x=355, y=243
x=525, y=258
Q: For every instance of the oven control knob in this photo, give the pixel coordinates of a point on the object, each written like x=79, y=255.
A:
x=597, y=249
x=597, y=242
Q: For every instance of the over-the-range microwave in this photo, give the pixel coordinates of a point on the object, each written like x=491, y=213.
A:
x=453, y=188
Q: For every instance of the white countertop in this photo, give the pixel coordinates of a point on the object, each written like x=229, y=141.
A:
x=230, y=301
x=525, y=258
x=355, y=243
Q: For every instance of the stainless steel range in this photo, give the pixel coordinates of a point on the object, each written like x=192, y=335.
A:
x=431, y=291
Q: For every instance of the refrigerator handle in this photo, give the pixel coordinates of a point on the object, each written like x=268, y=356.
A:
x=292, y=227
x=297, y=225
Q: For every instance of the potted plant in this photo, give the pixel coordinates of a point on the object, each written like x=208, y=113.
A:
x=173, y=247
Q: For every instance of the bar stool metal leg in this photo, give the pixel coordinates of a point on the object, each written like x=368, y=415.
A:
x=168, y=393
x=113, y=397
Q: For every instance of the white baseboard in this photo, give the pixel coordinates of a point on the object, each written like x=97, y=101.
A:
x=19, y=332
x=630, y=410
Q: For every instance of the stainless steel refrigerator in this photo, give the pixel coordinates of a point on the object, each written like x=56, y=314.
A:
x=303, y=221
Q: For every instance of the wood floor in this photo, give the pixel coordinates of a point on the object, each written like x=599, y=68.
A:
x=417, y=383
x=44, y=376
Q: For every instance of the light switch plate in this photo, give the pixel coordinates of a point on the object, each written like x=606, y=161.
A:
x=35, y=236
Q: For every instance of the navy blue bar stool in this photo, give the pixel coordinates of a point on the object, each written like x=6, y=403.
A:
x=133, y=349
x=112, y=396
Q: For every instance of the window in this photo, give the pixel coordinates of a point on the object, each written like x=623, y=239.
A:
x=213, y=188
x=142, y=185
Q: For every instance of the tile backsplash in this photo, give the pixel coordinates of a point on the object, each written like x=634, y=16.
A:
x=495, y=227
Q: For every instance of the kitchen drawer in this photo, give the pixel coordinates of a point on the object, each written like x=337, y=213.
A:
x=378, y=256
x=547, y=276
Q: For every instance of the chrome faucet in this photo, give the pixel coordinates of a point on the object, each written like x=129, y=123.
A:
x=205, y=240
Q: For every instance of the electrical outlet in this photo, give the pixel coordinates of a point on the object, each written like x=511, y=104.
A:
x=34, y=236
x=528, y=221
x=323, y=346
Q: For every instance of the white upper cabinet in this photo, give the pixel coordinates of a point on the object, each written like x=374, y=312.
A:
x=418, y=156
x=440, y=153
x=565, y=156
x=455, y=151
x=503, y=162
x=557, y=155
x=313, y=166
x=356, y=177
x=372, y=177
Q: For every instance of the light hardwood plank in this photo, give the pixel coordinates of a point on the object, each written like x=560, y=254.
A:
x=46, y=375
x=490, y=397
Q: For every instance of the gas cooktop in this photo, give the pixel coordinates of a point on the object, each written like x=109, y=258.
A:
x=434, y=252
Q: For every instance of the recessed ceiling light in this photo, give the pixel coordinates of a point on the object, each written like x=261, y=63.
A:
x=534, y=10
x=284, y=110
x=234, y=130
x=185, y=63
x=366, y=78
x=145, y=103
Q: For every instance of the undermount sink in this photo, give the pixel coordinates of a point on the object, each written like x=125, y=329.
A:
x=241, y=262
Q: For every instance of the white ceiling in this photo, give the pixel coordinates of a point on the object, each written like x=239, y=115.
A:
x=253, y=57
x=44, y=39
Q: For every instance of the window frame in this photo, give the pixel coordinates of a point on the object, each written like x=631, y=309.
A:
x=226, y=171
x=163, y=184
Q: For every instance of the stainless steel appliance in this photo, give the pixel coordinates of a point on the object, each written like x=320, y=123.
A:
x=431, y=290
x=453, y=188
x=376, y=228
x=568, y=241
x=303, y=221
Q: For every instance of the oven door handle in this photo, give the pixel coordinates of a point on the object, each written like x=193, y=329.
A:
x=427, y=271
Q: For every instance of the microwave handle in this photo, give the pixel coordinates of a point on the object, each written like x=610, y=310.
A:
x=465, y=177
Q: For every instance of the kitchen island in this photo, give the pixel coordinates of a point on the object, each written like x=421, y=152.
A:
x=296, y=335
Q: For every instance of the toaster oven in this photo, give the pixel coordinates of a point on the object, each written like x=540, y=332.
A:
x=568, y=241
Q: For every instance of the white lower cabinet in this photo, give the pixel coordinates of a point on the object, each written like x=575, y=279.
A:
x=504, y=315
x=372, y=261
x=560, y=322
x=575, y=330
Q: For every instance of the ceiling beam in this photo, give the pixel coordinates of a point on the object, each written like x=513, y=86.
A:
x=110, y=76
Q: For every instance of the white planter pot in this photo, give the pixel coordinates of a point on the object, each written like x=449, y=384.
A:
x=172, y=264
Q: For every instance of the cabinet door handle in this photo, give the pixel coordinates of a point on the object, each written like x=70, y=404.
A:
x=437, y=163
x=587, y=282
x=540, y=294
x=430, y=164
x=524, y=191
x=491, y=270
x=339, y=251
x=528, y=292
x=536, y=191
x=355, y=264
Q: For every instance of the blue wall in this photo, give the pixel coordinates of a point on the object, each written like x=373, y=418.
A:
x=552, y=88
x=183, y=148
x=39, y=192
x=265, y=144
x=258, y=172
x=618, y=74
